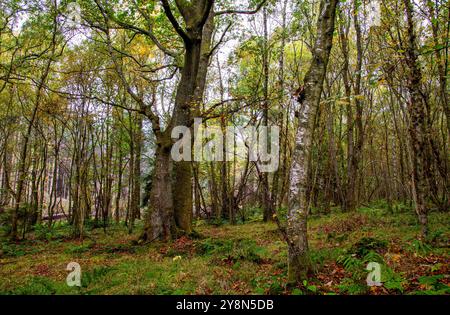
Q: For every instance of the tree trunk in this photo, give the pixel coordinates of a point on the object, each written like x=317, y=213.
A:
x=418, y=120
x=187, y=102
x=160, y=222
x=119, y=185
x=267, y=209
x=299, y=262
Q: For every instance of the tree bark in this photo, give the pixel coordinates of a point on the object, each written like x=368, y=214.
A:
x=299, y=263
x=418, y=122
x=160, y=220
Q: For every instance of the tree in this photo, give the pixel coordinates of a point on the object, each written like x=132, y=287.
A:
x=36, y=103
x=418, y=120
x=308, y=98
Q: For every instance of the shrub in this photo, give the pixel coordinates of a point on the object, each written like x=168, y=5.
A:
x=418, y=247
x=433, y=285
x=357, y=266
x=368, y=244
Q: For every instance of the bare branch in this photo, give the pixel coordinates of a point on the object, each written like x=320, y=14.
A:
x=220, y=40
x=231, y=11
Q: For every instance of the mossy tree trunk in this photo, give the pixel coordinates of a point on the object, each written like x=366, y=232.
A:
x=159, y=220
x=199, y=21
x=419, y=130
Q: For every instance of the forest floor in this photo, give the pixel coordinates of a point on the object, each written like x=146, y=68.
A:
x=247, y=258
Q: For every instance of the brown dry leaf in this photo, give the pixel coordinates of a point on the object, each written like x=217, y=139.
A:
x=396, y=258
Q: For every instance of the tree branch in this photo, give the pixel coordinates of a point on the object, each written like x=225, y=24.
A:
x=142, y=31
x=206, y=12
x=173, y=20
x=220, y=40
x=231, y=11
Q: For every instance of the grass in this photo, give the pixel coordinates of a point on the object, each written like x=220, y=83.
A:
x=242, y=259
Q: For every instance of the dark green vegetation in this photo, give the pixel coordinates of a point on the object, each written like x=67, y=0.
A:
x=246, y=258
